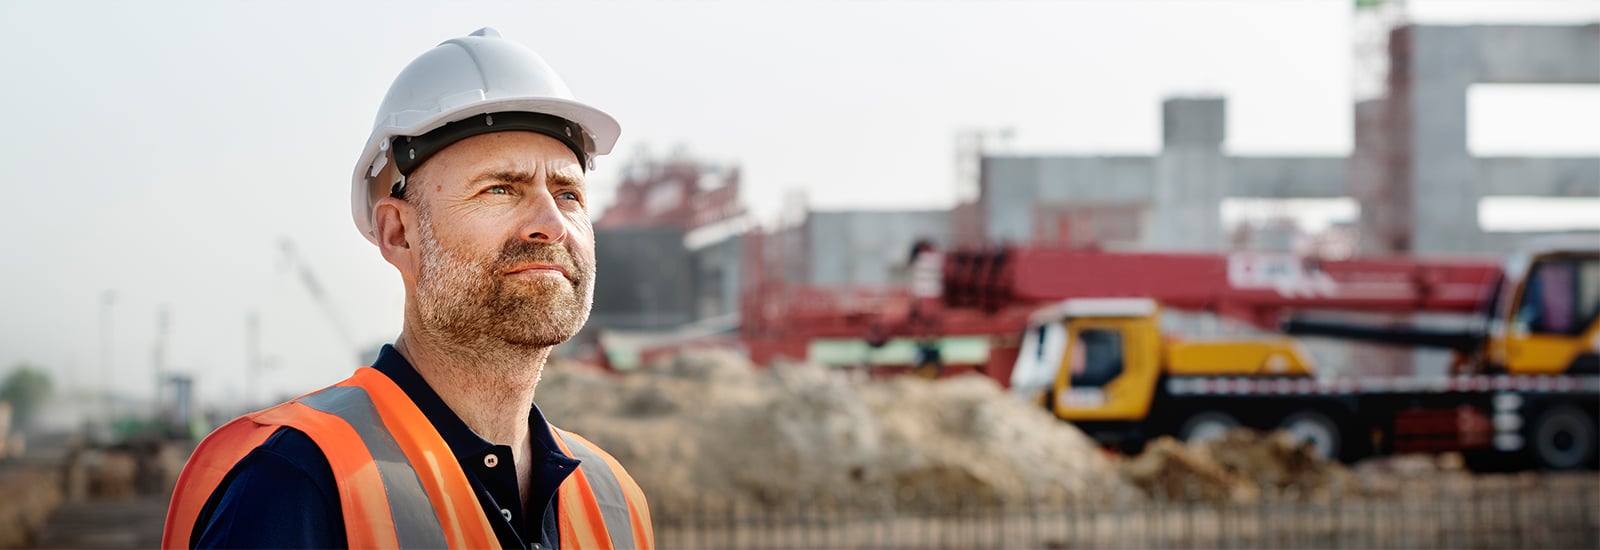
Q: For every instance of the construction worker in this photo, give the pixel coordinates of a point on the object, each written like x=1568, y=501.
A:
x=472, y=186
x=926, y=265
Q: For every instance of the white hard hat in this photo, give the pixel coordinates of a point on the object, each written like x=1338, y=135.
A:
x=467, y=86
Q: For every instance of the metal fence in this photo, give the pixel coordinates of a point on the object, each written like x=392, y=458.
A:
x=1519, y=511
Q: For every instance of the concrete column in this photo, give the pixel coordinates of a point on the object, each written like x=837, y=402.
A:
x=1191, y=176
x=1444, y=195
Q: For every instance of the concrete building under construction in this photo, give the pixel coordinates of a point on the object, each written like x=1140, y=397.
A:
x=1418, y=186
x=672, y=252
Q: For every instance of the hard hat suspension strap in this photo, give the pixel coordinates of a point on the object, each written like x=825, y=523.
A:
x=410, y=152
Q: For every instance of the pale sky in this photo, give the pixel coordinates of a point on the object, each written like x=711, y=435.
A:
x=160, y=150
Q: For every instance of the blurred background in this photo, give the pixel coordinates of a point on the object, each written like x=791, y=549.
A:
x=177, y=176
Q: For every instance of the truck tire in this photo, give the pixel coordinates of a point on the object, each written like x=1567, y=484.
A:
x=1206, y=426
x=1317, y=429
x=1563, y=438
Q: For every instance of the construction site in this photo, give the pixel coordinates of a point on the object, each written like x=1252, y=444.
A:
x=1087, y=351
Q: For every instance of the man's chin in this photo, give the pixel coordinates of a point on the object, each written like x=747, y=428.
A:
x=540, y=340
x=542, y=325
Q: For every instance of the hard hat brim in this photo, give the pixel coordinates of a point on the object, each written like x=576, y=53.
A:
x=602, y=128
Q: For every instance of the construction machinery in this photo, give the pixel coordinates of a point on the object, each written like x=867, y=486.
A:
x=1081, y=332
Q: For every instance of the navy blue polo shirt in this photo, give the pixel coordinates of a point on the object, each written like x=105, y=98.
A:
x=282, y=494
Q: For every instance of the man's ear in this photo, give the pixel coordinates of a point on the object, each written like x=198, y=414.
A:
x=394, y=221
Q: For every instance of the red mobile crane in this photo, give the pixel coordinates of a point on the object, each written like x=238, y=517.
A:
x=994, y=292
x=1079, y=330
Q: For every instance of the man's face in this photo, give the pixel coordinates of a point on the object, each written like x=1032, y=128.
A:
x=505, y=247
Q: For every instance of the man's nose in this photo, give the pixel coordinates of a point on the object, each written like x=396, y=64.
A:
x=543, y=222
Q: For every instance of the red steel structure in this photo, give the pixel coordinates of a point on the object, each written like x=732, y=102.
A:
x=992, y=291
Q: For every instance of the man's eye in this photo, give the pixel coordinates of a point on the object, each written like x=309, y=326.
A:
x=498, y=190
x=567, y=195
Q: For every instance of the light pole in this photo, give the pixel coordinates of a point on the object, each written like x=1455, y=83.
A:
x=108, y=298
x=158, y=360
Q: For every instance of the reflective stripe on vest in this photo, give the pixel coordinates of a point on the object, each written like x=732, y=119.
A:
x=402, y=487
x=415, y=523
x=607, y=492
x=583, y=522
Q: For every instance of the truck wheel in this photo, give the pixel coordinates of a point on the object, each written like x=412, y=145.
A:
x=1317, y=429
x=1563, y=438
x=1206, y=426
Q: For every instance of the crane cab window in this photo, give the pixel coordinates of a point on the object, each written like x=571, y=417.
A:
x=1562, y=296
x=1095, y=357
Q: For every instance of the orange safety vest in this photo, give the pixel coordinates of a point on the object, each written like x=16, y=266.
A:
x=399, y=484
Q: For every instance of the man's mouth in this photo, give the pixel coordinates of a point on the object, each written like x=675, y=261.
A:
x=534, y=269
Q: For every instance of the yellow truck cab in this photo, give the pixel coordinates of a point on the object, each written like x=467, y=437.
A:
x=1098, y=362
x=1545, y=317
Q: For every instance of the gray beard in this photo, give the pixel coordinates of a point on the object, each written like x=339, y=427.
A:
x=467, y=306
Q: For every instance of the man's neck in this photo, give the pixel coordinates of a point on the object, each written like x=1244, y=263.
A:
x=491, y=392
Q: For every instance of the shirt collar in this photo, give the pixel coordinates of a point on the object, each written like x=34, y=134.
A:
x=463, y=442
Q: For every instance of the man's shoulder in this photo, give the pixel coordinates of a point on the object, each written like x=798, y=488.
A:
x=287, y=459
x=293, y=447
x=282, y=493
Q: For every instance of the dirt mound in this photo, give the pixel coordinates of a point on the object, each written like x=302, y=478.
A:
x=1274, y=460
x=1238, y=467
x=31, y=494
x=1170, y=470
x=709, y=425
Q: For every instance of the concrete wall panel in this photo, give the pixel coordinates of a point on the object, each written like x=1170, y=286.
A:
x=1289, y=177
x=1542, y=176
x=1095, y=179
x=1009, y=185
x=869, y=247
x=1537, y=53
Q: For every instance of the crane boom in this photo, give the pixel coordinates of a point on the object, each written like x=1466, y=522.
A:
x=1252, y=287
x=314, y=288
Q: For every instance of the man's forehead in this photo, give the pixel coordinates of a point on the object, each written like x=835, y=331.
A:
x=520, y=174
x=514, y=157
